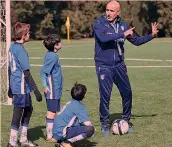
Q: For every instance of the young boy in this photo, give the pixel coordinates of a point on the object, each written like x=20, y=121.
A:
x=21, y=85
x=72, y=123
x=51, y=76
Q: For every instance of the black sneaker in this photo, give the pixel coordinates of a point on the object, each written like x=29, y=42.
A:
x=9, y=145
x=65, y=144
x=105, y=130
x=28, y=143
x=131, y=128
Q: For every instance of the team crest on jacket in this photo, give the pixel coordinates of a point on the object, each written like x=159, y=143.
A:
x=122, y=28
x=107, y=25
x=102, y=77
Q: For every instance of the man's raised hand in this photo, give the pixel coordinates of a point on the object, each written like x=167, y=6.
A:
x=154, y=28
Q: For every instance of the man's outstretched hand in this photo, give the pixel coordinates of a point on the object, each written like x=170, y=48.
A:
x=154, y=28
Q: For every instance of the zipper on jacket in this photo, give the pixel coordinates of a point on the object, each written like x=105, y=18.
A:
x=115, y=27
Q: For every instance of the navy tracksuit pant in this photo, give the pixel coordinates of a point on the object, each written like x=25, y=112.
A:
x=106, y=77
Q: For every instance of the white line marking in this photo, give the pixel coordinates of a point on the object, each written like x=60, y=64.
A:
x=65, y=58
x=150, y=66
x=74, y=45
x=127, y=59
x=84, y=66
x=154, y=60
x=35, y=58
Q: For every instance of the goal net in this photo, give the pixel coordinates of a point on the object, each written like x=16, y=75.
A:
x=5, y=41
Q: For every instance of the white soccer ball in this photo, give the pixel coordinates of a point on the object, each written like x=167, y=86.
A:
x=120, y=127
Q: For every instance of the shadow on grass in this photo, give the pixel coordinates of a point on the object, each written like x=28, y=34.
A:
x=36, y=133
x=144, y=115
x=82, y=143
x=119, y=116
x=114, y=117
x=85, y=143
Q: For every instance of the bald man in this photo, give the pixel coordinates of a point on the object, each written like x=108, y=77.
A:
x=110, y=33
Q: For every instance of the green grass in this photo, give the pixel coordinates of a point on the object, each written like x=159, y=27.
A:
x=152, y=101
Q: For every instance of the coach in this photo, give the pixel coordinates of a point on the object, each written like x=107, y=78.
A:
x=110, y=33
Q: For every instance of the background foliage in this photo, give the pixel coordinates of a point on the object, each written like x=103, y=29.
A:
x=50, y=16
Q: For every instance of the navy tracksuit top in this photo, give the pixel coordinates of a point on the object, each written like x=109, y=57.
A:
x=109, y=41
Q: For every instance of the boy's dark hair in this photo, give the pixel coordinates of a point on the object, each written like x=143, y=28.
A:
x=50, y=41
x=20, y=29
x=78, y=91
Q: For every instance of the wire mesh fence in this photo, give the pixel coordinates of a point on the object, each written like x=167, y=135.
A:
x=3, y=54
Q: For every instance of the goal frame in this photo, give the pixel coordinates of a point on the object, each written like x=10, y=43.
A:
x=5, y=22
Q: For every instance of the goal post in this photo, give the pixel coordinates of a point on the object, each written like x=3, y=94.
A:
x=5, y=41
x=8, y=25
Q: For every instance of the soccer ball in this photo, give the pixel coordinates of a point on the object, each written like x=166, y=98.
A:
x=120, y=127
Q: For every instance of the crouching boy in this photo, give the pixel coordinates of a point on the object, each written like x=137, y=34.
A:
x=72, y=123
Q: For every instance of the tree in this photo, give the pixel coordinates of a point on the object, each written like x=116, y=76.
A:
x=81, y=16
x=164, y=10
x=33, y=13
x=50, y=16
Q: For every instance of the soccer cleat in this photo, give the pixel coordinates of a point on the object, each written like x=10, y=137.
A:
x=51, y=140
x=105, y=130
x=28, y=143
x=131, y=128
x=9, y=145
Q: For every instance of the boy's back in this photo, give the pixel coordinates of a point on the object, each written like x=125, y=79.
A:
x=72, y=122
x=52, y=68
x=51, y=63
x=18, y=62
x=73, y=113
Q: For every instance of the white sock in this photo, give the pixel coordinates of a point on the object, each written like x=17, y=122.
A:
x=76, y=138
x=49, y=130
x=13, y=137
x=49, y=127
x=23, y=134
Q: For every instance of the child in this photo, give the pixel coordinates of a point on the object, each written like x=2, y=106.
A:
x=72, y=123
x=51, y=76
x=21, y=85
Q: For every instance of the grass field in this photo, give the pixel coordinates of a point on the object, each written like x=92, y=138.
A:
x=152, y=94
